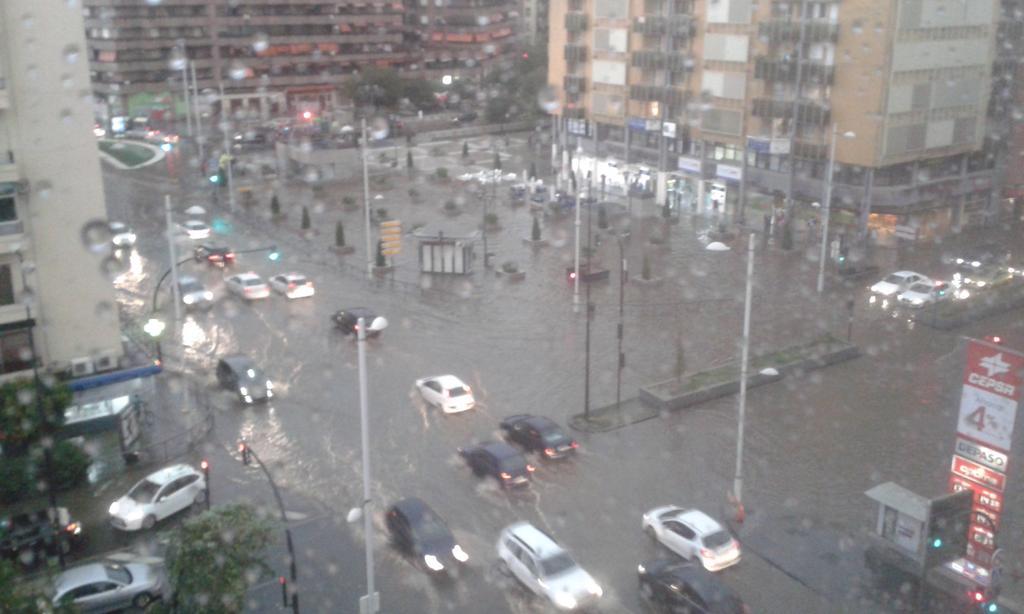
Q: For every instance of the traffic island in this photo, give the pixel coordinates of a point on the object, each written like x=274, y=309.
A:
x=614, y=416
x=686, y=391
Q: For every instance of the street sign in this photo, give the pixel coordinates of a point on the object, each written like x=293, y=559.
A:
x=905, y=232
x=982, y=475
x=391, y=237
x=980, y=454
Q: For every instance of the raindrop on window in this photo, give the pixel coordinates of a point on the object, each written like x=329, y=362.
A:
x=261, y=42
x=71, y=54
x=96, y=236
x=547, y=99
x=43, y=188
x=237, y=70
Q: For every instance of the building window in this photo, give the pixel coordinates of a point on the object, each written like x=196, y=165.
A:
x=610, y=9
x=8, y=212
x=6, y=285
x=15, y=351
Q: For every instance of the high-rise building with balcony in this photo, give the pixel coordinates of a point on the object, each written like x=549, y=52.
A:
x=678, y=90
x=56, y=303
x=464, y=36
x=267, y=55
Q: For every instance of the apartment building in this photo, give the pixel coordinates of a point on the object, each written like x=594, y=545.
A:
x=678, y=90
x=464, y=37
x=535, y=22
x=259, y=49
x=56, y=303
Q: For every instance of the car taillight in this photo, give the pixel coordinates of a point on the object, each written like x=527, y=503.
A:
x=74, y=528
x=549, y=451
x=229, y=256
x=575, y=444
x=705, y=552
x=505, y=475
x=531, y=468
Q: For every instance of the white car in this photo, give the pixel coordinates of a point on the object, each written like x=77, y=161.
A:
x=247, y=285
x=292, y=285
x=925, y=293
x=692, y=534
x=108, y=587
x=157, y=496
x=447, y=392
x=544, y=567
x=196, y=229
x=895, y=283
x=121, y=235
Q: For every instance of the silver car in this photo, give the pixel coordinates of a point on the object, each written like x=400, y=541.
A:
x=108, y=587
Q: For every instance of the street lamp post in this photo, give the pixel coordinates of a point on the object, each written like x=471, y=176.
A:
x=744, y=360
x=828, y=203
x=200, y=139
x=576, y=257
x=369, y=604
x=622, y=293
x=174, y=258
x=366, y=202
x=225, y=124
x=154, y=328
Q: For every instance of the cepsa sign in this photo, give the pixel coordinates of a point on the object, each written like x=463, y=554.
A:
x=988, y=404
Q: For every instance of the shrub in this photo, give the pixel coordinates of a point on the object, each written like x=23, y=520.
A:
x=510, y=267
x=645, y=270
x=491, y=219
x=449, y=205
x=70, y=465
x=339, y=234
x=275, y=205
x=348, y=200
x=305, y=219
x=441, y=173
x=15, y=482
x=535, y=231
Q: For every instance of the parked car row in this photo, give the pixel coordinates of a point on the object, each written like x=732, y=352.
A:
x=912, y=289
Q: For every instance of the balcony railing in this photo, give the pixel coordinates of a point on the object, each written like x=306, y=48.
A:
x=5, y=99
x=575, y=21
x=664, y=95
x=789, y=31
x=650, y=25
x=575, y=113
x=649, y=59
x=785, y=71
x=575, y=53
x=15, y=227
x=808, y=113
x=574, y=84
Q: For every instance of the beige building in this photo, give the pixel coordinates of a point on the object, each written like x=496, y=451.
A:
x=679, y=89
x=50, y=189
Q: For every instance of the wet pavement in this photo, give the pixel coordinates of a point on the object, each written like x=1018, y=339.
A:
x=814, y=443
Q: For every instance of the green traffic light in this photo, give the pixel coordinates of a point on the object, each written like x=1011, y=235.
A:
x=274, y=255
x=937, y=543
x=993, y=607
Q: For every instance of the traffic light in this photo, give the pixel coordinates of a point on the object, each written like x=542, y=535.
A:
x=274, y=255
x=949, y=517
x=984, y=598
x=215, y=178
x=243, y=448
x=391, y=237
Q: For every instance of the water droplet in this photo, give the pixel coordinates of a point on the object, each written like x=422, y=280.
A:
x=71, y=54
x=260, y=42
x=27, y=21
x=113, y=267
x=67, y=82
x=66, y=117
x=547, y=99
x=237, y=70
x=96, y=236
x=43, y=188
x=153, y=2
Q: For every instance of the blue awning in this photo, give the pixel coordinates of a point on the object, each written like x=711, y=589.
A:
x=103, y=379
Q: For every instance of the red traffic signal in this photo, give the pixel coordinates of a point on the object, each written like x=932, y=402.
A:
x=204, y=465
x=243, y=448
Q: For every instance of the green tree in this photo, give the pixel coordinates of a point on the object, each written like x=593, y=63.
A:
x=15, y=481
x=15, y=598
x=465, y=149
x=379, y=87
x=535, y=231
x=70, y=465
x=305, y=219
x=339, y=234
x=20, y=420
x=420, y=93
x=215, y=557
x=275, y=206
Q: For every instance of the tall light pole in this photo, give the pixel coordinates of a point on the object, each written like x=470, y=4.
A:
x=576, y=257
x=225, y=124
x=737, y=486
x=622, y=295
x=199, y=118
x=179, y=58
x=174, y=259
x=369, y=604
x=828, y=203
x=366, y=202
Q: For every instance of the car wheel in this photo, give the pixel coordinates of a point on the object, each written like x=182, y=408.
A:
x=148, y=522
x=200, y=497
x=142, y=600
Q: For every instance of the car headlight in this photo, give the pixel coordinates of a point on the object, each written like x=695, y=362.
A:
x=242, y=390
x=208, y=295
x=641, y=569
x=981, y=284
x=872, y=299
x=459, y=554
x=114, y=508
x=565, y=600
x=432, y=562
x=594, y=588
x=270, y=385
x=188, y=299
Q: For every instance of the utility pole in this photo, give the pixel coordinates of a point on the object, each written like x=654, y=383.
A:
x=590, y=308
x=827, y=204
x=622, y=294
x=184, y=83
x=366, y=203
x=370, y=603
x=176, y=291
x=576, y=257
x=225, y=124
x=199, y=118
x=744, y=360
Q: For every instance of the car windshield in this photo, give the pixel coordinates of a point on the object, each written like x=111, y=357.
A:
x=252, y=281
x=553, y=437
x=560, y=563
x=921, y=288
x=717, y=539
x=144, y=491
x=191, y=286
x=118, y=574
x=513, y=464
x=457, y=391
x=895, y=279
x=430, y=528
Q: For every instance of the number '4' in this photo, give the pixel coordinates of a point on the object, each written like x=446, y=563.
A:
x=977, y=418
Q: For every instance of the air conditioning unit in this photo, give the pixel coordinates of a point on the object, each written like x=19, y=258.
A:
x=81, y=367
x=106, y=361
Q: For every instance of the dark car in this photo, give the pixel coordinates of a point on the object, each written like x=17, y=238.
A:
x=465, y=118
x=30, y=536
x=220, y=255
x=538, y=434
x=240, y=374
x=975, y=256
x=674, y=586
x=348, y=319
x=419, y=532
x=499, y=460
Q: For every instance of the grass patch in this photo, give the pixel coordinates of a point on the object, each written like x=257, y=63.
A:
x=128, y=154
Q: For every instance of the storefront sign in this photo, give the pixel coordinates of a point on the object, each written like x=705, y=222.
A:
x=982, y=475
x=668, y=129
x=577, y=126
x=653, y=125
x=980, y=454
x=733, y=173
x=691, y=165
x=637, y=123
x=758, y=144
x=985, y=499
x=780, y=146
